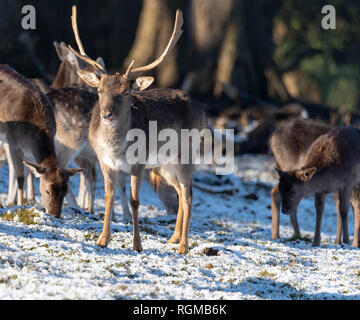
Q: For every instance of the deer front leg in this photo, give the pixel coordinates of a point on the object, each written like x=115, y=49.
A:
x=12, y=177
x=17, y=158
x=294, y=223
x=275, y=212
x=319, y=206
x=355, y=202
x=30, y=195
x=186, y=193
x=123, y=199
x=110, y=187
x=135, y=184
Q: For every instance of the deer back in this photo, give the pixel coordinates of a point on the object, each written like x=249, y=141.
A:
x=290, y=143
x=24, y=108
x=73, y=108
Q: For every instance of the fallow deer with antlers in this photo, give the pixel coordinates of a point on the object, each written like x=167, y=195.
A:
x=122, y=107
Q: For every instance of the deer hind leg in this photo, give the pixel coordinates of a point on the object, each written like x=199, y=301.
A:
x=135, y=184
x=92, y=177
x=319, y=206
x=355, y=202
x=169, y=198
x=83, y=184
x=175, y=238
x=124, y=201
x=275, y=212
x=339, y=222
x=110, y=177
x=344, y=199
x=186, y=193
x=87, y=185
x=184, y=175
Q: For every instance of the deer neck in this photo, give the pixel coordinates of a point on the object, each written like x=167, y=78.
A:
x=324, y=181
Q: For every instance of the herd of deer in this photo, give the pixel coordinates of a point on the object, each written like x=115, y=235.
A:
x=47, y=128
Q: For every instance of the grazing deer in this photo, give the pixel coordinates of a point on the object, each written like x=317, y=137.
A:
x=289, y=145
x=27, y=125
x=123, y=107
x=69, y=141
x=330, y=165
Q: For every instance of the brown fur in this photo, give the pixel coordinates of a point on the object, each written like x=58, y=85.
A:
x=28, y=126
x=170, y=108
x=331, y=165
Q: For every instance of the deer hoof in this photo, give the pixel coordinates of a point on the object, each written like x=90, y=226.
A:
x=183, y=248
x=275, y=236
x=174, y=239
x=316, y=244
x=103, y=241
x=137, y=247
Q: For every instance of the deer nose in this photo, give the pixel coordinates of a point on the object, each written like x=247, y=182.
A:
x=107, y=115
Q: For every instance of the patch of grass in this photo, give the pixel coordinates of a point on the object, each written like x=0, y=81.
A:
x=8, y=216
x=150, y=231
x=25, y=216
x=266, y=274
x=91, y=236
x=295, y=237
x=8, y=279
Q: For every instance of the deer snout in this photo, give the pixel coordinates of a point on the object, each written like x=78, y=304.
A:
x=107, y=115
x=55, y=213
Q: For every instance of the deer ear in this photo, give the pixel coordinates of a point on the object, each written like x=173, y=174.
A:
x=142, y=83
x=306, y=174
x=89, y=78
x=65, y=54
x=36, y=170
x=71, y=172
x=101, y=61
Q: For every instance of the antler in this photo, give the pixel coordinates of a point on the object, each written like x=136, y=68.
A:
x=82, y=55
x=174, y=38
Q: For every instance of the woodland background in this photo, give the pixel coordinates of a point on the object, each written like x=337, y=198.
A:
x=264, y=59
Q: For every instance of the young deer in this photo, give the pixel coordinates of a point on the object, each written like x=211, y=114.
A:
x=330, y=165
x=27, y=125
x=123, y=107
x=289, y=145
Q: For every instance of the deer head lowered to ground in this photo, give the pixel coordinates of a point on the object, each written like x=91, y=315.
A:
x=124, y=106
x=72, y=103
x=330, y=165
x=28, y=127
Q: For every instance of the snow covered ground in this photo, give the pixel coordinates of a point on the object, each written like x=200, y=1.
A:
x=58, y=259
